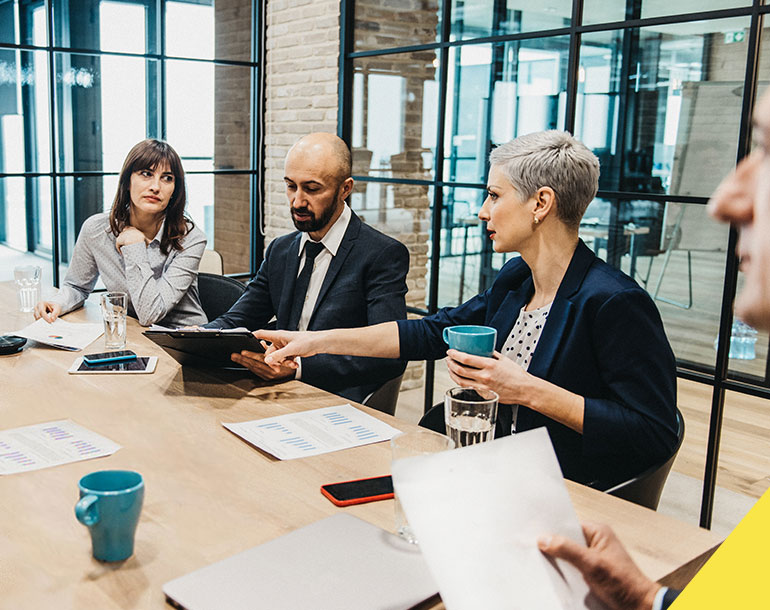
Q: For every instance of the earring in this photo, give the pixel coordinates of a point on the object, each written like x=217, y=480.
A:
x=536, y=220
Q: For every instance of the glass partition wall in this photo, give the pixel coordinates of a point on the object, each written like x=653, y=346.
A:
x=660, y=91
x=82, y=82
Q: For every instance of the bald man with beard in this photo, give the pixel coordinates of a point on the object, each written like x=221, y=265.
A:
x=356, y=276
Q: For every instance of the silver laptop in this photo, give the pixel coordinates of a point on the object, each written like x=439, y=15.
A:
x=340, y=562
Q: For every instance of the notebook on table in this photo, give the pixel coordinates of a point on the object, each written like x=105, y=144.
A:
x=340, y=562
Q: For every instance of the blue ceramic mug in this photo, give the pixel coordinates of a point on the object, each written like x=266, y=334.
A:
x=110, y=503
x=477, y=340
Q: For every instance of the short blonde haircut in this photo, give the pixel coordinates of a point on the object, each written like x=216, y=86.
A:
x=554, y=159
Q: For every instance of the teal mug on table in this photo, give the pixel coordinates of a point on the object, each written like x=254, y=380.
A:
x=109, y=505
x=471, y=339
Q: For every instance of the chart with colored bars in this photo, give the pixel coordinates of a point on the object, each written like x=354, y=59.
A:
x=313, y=432
x=50, y=444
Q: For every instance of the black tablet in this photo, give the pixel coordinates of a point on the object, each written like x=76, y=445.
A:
x=205, y=348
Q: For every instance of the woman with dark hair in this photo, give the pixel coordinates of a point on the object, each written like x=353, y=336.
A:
x=145, y=246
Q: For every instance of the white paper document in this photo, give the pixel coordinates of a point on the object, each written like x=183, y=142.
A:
x=50, y=444
x=64, y=335
x=313, y=432
x=477, y=513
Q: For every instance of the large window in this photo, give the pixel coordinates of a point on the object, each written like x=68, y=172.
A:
x=660, y=91
x=82, y=82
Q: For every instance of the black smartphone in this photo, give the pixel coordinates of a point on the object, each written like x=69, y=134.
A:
x=105, y=357
x=141, y=364
x=359, y=491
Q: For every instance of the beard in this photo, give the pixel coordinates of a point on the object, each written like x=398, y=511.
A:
x=315, y=223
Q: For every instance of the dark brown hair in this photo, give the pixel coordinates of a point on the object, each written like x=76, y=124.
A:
x=149, y=154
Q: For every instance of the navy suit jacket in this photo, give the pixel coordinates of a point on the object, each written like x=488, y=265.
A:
x=669, y=597
x=365, y=284
x=603, y=340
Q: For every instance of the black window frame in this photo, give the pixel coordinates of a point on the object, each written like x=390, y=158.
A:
x=719, y=377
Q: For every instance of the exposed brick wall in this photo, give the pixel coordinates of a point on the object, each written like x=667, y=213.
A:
x=302, y=56
x=302, y=61
x=380, y=24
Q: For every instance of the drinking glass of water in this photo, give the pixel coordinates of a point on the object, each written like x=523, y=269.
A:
x=470, y=415
x=114, y=313
x=27, y=280
x=409, y=444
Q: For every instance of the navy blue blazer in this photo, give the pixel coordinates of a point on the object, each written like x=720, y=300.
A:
x=669, y=597
x=365, y=284
x=603, y=340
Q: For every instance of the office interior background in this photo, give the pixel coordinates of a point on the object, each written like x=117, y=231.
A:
x=422, y=90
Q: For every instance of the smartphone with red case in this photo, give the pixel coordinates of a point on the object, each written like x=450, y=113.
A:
x=359, y=491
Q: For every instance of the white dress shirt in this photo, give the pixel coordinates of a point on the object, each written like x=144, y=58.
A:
x=331, y=242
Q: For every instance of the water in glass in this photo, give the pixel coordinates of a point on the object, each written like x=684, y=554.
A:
x=114, y=330
x=27, y=280
x=467, y=430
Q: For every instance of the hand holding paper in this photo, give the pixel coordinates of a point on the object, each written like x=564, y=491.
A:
x=478, y=513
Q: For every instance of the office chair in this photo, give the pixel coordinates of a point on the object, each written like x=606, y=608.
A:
x=646, y=488
x=385, y=397
x=218, y=293
x=211, y=262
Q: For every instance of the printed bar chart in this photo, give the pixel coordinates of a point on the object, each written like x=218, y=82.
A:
x=313, y=432
x=50, y=444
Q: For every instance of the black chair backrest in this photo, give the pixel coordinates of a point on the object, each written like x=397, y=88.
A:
x=218, y=293
x=646, y=488
x=385, y=397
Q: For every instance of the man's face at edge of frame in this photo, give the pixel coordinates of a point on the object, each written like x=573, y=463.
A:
x=743, y=200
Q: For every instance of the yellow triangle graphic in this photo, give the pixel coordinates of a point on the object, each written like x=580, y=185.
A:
x=738, y=574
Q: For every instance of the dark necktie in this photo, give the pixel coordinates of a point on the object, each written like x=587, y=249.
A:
x=312, y=249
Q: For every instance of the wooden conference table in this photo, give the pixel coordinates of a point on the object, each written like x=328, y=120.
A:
x=209, y=495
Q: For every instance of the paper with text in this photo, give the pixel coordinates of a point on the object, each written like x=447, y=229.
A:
x=313, y=432
x=64, y=335
x=50, y=444
x=477, y=513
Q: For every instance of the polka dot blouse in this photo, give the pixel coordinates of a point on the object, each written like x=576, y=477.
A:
x=522, y=342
